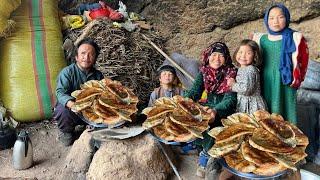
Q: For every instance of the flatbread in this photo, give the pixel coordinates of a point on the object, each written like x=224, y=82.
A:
x=258, y=157
x=152, y=122
x=133, y=98
x=194, y=131
x=232, y=132
x=79, y=106
x=174, y=128
x=236, y=161
x=111, y=101
x=261, y=114
x=265, y=141
x=184, y=119
x=90, y=115
x=221, y=149
x=184, y=137
x=108, y=115
x=189, y=107
x=280, y=129
x=87, y=94
x=243, y=118
x=157, y=111
x=92, y=84
x=277, y=117
x=162, y=133
x=119, y=91
x=302, y=140
x=269, y=171
x=164, y=101
x=215, y=131
x=228, y=122
x=290, y=159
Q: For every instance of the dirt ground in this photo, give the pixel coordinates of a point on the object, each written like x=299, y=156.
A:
x=48, y=154
x=49, y=157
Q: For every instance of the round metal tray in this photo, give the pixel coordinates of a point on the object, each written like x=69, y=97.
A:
x=168, y=142
x=248, y=175
x=101, y=125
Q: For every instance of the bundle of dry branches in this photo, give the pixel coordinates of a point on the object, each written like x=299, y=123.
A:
x=126, y=56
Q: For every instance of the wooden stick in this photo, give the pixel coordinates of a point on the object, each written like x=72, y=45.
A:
x=174, y=168
x=169, y=58
x=86, y=31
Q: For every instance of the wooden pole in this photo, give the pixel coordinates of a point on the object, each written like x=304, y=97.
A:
x=86, y=31
x=169, y=58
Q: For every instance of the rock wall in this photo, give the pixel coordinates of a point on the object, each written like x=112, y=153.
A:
x=191, y=25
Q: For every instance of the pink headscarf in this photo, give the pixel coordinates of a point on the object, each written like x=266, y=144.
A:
x=215, y=80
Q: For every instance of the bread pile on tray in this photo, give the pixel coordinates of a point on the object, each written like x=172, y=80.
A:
x=176, y=119
x=105, y=101
x=260, y=143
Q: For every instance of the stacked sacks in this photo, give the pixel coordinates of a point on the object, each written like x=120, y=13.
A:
x=31, y=59
x=176, y=119
x=6, y=24
x=260, y=143
x=308, y=107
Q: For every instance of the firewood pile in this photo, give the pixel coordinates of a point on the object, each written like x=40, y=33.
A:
x=124, y=56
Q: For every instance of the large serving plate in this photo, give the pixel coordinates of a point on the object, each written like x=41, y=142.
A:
x=168, y=142
x=101, y=125
x=248, y=175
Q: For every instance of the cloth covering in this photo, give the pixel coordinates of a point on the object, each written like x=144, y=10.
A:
x=189, y=65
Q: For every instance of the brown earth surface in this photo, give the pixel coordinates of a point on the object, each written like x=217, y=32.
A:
x=50, y=157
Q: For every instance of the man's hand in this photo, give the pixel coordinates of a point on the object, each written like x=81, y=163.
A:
x=70, y=104
x=212, y=113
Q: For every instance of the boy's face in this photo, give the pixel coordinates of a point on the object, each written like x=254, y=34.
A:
x=276, y=20
x=166, y=77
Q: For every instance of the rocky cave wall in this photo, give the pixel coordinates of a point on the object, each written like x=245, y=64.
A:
x=191, y=25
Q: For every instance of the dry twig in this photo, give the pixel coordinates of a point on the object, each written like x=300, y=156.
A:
x=126, y=56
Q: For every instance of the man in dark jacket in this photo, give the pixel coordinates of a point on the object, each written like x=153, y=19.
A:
x=69, y=80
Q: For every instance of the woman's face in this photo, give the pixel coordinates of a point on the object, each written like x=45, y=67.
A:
x=216, y=60
x=276, y=20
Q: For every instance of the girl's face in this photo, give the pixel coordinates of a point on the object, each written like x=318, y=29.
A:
x=166, y=77
x=216, y=60
x=245, y=56
x=276, y=20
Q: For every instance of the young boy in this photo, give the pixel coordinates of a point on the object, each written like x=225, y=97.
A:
x=168, y=88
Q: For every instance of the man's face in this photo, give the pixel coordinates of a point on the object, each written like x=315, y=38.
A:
x=166, y=77
x=85, y=57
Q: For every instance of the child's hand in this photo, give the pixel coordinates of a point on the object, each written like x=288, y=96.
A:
x=230, y=82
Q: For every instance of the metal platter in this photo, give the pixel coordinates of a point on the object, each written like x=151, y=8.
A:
x=248, y=175
x=100, y=125
x=168, y=142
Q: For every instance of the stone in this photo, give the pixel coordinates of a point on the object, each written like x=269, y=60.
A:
x=79, y=158
x=134, y=158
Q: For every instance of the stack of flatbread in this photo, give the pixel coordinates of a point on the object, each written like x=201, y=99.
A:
x=105, y=101
x=260, y=143
x=176, y=119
